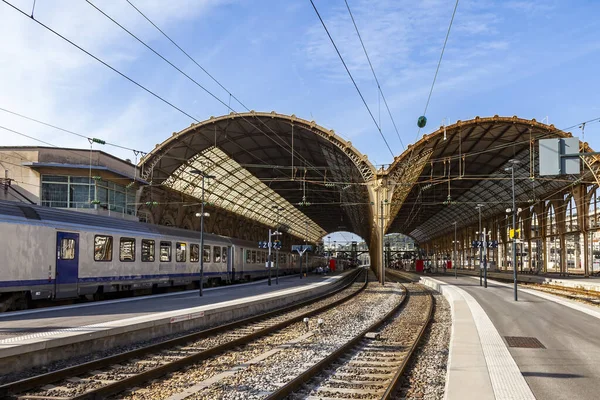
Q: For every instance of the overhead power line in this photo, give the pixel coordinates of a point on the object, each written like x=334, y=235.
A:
x=132, y=80
x=68, y=131
x=102, y=62
x=439, y=62
x=352, y=79
x=283, y=144
x=374, y=75
x=231, y=95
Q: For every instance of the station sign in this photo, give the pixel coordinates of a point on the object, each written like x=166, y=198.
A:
x=276, y=244
x=480, y=243
x=301, y=247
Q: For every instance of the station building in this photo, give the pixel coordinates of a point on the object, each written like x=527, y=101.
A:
x=90, y=181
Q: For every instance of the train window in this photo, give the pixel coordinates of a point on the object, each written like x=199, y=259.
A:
x=194, y=253
x=263, y=257
x=254, y=256
x=103, y=248
x=165, y=251
x=127, y=249
x=180, y=252
x=248, y=256
x=216, y=254
x=224, y=255
x=148, y=250
x=67, y=249
x=206, y=254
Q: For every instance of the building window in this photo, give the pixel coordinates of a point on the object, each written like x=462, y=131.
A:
x=180, y=252
x=194, y=253
x=165, y=251
x=216, y=254
x=79, y=192
x=67, y=249
x=127, y=249
x=206, y=254
x=103, y=248
x=148, y=250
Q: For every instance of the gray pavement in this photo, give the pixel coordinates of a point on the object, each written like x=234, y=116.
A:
x=56, y=318
x=569, y=367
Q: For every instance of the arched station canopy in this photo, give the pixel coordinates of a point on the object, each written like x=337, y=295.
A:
x=442, y=178
x=272, y=168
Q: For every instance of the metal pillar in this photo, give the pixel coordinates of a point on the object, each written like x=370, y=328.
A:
x=480, y=250
x=382, y=248
x=455, y=265
x=514, y=224
x=202, y=239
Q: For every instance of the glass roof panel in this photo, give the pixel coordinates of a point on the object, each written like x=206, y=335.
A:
x=237, y=190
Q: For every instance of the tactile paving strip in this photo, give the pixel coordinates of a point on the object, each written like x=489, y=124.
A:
x=524, y=342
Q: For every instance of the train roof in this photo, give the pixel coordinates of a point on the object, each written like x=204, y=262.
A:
x=33, y=213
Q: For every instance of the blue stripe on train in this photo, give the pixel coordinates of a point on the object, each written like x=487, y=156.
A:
x=34, y=282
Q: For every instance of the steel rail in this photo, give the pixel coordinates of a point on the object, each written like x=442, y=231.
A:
x=392, y=387
x=11, y=389
x=316, y=369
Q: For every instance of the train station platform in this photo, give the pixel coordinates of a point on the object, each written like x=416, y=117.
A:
x=37, y=337
x=540, y=347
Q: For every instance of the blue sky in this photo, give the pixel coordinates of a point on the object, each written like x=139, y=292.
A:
x=530, y=58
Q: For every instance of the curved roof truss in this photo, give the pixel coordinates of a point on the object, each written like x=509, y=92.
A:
x=267, y=160
x=447, y=173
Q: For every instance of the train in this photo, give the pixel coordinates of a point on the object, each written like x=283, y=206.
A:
x=56, y=254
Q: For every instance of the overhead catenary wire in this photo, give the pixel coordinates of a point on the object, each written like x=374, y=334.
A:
x=117, y=71
x=283, y=144
x=439, y=62
x=68, y=131
x=231, y=95
x=374, y=76
x=352, y=79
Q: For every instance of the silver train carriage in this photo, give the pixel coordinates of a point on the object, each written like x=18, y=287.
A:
x=48, y=253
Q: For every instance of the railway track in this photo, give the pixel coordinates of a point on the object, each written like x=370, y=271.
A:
x=581, y=295
x=110, y=375
x=370, y=365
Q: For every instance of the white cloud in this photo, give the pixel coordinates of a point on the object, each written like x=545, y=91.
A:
x=48, y=79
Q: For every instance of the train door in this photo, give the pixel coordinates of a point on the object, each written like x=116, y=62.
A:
x=67, y=264
x=230, y=269
x=242, y=262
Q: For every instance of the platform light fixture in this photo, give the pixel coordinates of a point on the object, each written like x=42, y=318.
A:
x=512, y=163
x=204, y=176
x=454, y=261
x=278, y=209
x=479, y=235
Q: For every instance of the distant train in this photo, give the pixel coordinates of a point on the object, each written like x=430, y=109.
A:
x=48, y=253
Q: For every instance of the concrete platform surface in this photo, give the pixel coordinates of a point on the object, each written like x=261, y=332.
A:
x=29, y=322
x=46, y=335
x=568, y=367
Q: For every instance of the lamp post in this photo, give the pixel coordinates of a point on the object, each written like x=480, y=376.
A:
x=514, y=162
x=204, y=176
x=328, y=250
x=276, y=233
x=479, y=236
x=454, y=255
x=278, y=209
